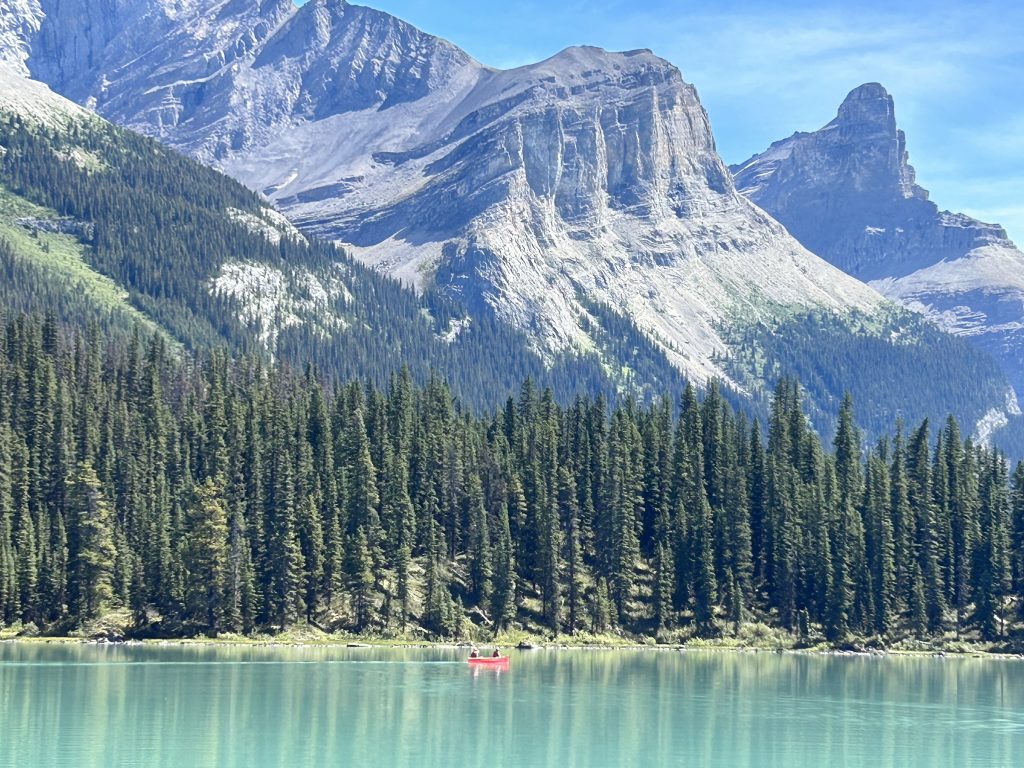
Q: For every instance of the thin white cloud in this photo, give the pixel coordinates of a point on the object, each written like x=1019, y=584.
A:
x=1002, y=137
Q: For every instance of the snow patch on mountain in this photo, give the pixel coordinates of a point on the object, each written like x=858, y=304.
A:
x=455, y=327
x=995, y=419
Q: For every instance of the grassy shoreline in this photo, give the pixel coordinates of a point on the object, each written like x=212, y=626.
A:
x=310, y=638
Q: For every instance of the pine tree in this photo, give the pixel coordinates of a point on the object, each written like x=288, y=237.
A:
x=848, y=559
x=503, y=597
x=568, y=507
x=880, y=541
x=820, y=533
x=961, y=505
x=664, y=578
x=737, y=503
x=623, y=503
x=241, y=608
x=992, y=572
x=756, y=496
x=600, y=610
x=311, y=543
x=782, y=524
x=360, y=579
x=284, y=567
x=1017, y=536
x=10, y=604
x=25, y=551
x=480, y=568
x=926, y=533
x=95, y=554
x=698, y=511
x=361, y=481
x=903, y=526
x=439, y=605
x=205, y=558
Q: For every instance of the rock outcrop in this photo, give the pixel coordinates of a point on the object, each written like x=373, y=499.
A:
x=19, y=27
x=848, y=193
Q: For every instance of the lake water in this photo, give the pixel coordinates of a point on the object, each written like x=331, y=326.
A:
x=82, y=706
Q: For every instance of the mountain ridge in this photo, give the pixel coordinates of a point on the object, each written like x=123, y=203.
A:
x=102, y=227
x=579, y=202
x=849, y=193
x=519, y=192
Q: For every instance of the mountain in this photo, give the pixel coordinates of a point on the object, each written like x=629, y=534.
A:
x=588, y=175
x=579, y=202
x=848, y=193
x=104, y=227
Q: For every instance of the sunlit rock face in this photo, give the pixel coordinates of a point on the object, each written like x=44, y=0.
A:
x=847, y=192
x=534, y=192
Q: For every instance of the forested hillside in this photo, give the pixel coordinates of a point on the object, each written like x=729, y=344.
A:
x=211, y=494
x=103, y=225
x=903, y=366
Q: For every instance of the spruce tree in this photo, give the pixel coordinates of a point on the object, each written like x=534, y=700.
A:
x=360, y=579
x=480, y=567
x=1017, y=535
x=568, y=505
x=848, y=558
x=94, y=556
x=927, y=532
x=25, y=550
x=623, y=504
x=664, y=578
x=283, y=567
x=698, y=511
x=992, y=572
x=205, y=558
x=10, y=604
x=503, y=597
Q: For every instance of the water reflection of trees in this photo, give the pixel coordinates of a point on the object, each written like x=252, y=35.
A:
x=549, y=708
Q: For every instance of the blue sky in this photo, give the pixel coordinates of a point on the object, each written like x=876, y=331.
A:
x=764, y=70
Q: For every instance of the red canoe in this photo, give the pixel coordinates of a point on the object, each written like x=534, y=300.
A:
x=488, y=660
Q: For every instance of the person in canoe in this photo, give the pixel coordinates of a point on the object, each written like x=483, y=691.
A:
x=474, y=653
x=496, y=654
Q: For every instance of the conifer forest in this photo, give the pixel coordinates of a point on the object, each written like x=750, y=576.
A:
x=208, y=494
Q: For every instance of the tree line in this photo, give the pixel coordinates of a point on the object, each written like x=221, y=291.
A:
x=211, y=494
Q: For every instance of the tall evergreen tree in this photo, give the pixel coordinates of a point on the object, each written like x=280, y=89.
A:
x=205, y=558
x=94, y=553
x=503, y=597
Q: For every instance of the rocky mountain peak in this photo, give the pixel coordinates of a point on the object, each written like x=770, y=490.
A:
x=866, y=121
x=866, y=107
x=847, y=192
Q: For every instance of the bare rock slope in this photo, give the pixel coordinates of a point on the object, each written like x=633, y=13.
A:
x=848, y=193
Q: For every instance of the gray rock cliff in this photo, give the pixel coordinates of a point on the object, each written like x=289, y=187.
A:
x=848, y=193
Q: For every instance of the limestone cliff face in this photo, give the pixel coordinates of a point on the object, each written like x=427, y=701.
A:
x=19, y=26
x=592, y=176
x=534, y=192
x=847, y=192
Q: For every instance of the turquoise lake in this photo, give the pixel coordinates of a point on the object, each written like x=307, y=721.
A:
x=78, y=705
